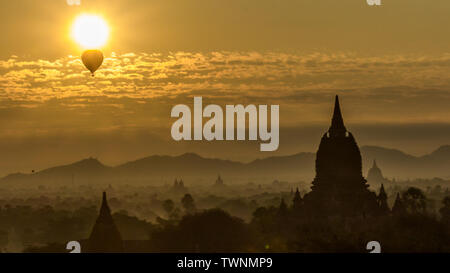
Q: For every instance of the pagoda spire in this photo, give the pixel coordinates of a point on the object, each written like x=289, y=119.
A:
x=105, y=212
x=297, y=201
x=337, y=128
x=375, y=164
x=105, y=237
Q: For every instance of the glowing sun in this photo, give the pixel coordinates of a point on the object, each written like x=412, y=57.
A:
x=90, y=31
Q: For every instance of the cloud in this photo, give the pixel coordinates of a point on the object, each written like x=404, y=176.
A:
x=379, y=89
x=269, y=74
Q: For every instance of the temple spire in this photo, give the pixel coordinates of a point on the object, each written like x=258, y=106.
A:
x=297, y=201
x=105, y=237
x=337, y=128
x=375, y=164
x=105, y=212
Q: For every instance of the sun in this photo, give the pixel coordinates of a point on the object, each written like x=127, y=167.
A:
x=90, y=31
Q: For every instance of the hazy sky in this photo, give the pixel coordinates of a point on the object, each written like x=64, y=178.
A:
x=390, y=64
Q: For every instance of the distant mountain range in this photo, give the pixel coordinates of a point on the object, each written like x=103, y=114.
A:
x=189, y=166
x=395, y=163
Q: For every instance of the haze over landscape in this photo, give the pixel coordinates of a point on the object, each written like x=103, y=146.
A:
x=159, y=170
x=87, y=155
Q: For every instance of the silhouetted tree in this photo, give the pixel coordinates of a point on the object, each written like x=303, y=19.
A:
x=398, y=208
x=282, y=210
x=188, y=203
x=382, y=200
x=209, y=231
x=445, y=210
x=131, y=227
x=168, y=206
x=414, y=200
x=3, y=239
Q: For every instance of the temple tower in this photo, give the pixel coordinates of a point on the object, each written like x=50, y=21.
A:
x=219, y=181
x=297, y=202
x=105, y=237
x=339, y=187
x=375, y=175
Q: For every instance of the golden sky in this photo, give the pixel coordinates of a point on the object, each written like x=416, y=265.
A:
x=390, y=65
x=40, y=28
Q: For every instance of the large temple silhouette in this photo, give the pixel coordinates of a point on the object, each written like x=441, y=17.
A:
x=105, y=236
x=339, y=187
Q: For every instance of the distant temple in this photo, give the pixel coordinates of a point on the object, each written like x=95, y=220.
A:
x=375, y=176
x=219, y=182
x=297, y=202
x=339, y=187
x=105, y=237
x=178, y=186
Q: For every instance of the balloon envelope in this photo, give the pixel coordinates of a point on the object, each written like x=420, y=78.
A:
x=92, y=59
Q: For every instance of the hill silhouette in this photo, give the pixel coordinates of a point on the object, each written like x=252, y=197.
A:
x=300, y=166
x=395, y=163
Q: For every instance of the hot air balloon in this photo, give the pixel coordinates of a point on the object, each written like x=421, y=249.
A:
x=92, y=59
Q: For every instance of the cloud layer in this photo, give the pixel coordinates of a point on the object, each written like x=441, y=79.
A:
x=227, y=73
x=229, y=77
